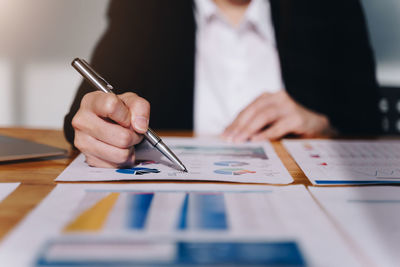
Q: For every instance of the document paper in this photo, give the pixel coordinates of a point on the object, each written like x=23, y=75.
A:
x=205, y=159
x=89, y=224
x=370, y=216
x=327, y=162
x=6, y=189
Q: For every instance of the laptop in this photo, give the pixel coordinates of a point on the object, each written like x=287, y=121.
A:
x=19, y=149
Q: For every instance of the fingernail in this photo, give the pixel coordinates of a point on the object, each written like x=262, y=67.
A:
x=141, y=123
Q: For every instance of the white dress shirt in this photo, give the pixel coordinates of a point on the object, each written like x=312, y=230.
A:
x=234, y=64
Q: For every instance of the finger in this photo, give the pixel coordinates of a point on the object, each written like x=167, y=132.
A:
x=139, y=109
x=248, y=113
x=104, y=131
x=93, y=161
x=277, y=130
x=91, y=146
x=107, y=106
x=279, y=105
x=260, y=120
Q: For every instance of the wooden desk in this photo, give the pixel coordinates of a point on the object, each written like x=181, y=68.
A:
x=37, y=176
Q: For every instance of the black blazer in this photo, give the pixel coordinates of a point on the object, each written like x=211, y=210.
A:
x=325, y=55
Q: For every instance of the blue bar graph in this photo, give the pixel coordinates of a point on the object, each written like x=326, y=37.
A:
x=188, y=253
x=182, y=222
x=138, y=209
x=203, y=211
x=210, y=210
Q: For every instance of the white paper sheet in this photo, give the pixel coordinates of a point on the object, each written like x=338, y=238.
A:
x=370, y=216
x=253, y=212
x=6, y=189
x=205, y=159
x=327, y=162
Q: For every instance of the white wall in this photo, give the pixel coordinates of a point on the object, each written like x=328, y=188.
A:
x=383, y=18
x=39, y=39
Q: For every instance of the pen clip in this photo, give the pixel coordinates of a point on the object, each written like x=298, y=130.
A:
x=109, y=86
x=91, y=75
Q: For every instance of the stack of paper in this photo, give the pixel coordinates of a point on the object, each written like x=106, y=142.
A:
x=203, y=224
x=174, y=225
x=327, y=162
x=6, y=189
x=370, y=217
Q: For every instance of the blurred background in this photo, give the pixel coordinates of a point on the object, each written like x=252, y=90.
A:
x=39, y=39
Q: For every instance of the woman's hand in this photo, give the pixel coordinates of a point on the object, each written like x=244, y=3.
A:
x=107, y=126
x=274, y=115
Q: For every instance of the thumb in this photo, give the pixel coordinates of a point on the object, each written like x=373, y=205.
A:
x=139, y=109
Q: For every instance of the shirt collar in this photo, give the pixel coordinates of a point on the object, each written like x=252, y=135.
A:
x=257, y=16
x=205, y=11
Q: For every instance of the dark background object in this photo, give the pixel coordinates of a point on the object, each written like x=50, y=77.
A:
x=389, y=105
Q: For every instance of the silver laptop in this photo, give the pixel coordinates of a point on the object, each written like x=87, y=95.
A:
x=18, y=149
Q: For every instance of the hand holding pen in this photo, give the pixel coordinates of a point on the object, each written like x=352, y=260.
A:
x=107, y=126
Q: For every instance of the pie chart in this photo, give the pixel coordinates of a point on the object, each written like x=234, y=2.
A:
x=137, y=171
x=233, y=171
x=231, y=163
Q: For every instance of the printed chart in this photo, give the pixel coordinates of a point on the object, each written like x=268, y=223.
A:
x=171, y=253
x=327, y=162
x=176, y=225
x=169, y=212
x=206, y=211
x=205, y=159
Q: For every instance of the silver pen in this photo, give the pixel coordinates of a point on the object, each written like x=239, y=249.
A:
x=101, y=84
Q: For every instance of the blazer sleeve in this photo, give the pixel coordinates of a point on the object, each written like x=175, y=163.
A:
x=99, y=59
x=327, y=61
x=148, y=48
